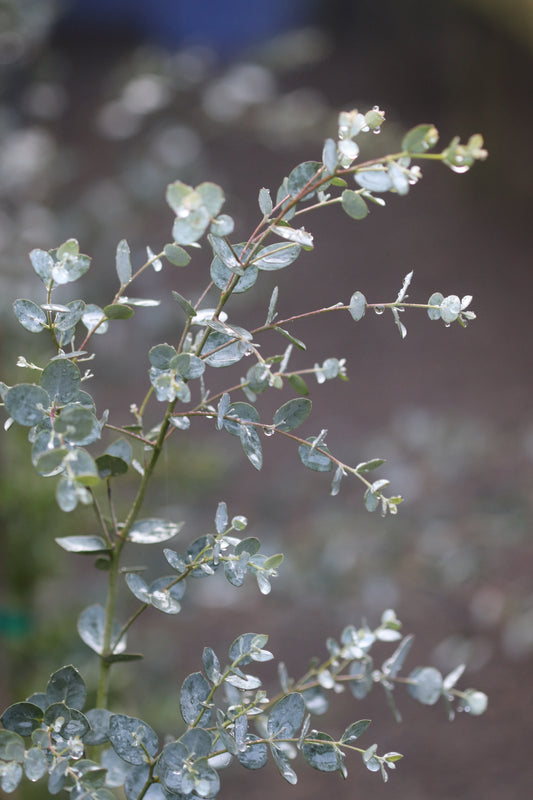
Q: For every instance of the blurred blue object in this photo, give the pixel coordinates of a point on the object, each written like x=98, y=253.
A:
x=228, y=26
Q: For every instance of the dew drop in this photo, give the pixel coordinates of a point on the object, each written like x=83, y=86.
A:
x=269, y=431
x=375, y=108
x=376, y=130
x=379, y=310
x=460, y=168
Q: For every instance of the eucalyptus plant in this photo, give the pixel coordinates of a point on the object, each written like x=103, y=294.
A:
x=226, y=713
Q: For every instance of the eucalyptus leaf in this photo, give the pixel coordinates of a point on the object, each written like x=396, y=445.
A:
x=251, y=444
x=22, y=718
x=376, y=179
x=265, y=202
x=91, y=625
x=353, y=204
x=302, y=175
x=292, y=413
x=26, y=403
x=355, y=730
x=153, y=530
x=357, y=306
x=61, y=379
x=176, y=255
x=123, y=262
x=425, y=685
x=118, y=311
x=255, y=756
x=276, y=256
x=286, y=716
x=85, y=545
x=313, y=458
x=322, y=753
x=132, y=739
x=30, y=315
x=194, y=693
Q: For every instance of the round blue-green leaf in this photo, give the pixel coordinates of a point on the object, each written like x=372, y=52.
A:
x=136, y=781
x=99, y=722
x=176, y=255
x=42, y=262
x=118, y=311
x=164, y=597
x=49, y=462
x=420, y=139
x=375, y=180
x=94, y=316
x=10, y=777
x=256, y=754
x=353, y=204
x=361, y=673
x=154, y=530
x=211, y=664
x=110, y=466
x=399, y=179
x=66, y=320
x=227, y=354
x=276, y=256
x=298, y=384
x=291, y=414
x=22, y=718
x=75, y=423
x=315, y=700
x=286, y=716
x=120, y=449
x=212, y=197
x=11, y=746
x=61, y=379
x=123, y=262
x=132, y=739
x=188, y=366
x=35, y=764
x=282, y=763
x=435, y=300
x=198, y=741
x=188, y=229
x=26, y=403
x=450, y=308
x=425, y=685
x=300, y=176
x=313, y=459
x=83, y=467
x=91, y=624
x=330, y=156
x=244, y=646
x=322, y=755
x=66, y=686
x=161, y=355
x=251, y=444
x=357, y=306
x=67, y=494
x=243, y=411
x=474, y=702
x=355, y=730
x=194, y=693
x=30, y=315
x=220, y=274
x=138, y=587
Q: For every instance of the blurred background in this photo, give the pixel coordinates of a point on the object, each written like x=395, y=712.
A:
x=103, y=103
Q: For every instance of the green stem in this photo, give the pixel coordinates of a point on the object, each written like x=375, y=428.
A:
x=105, y=666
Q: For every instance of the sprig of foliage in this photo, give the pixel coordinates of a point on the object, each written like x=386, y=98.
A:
x=227, y=714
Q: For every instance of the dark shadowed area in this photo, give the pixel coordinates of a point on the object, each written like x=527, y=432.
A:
x=99, y=112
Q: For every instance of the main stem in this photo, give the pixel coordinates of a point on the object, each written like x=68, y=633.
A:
x=105, y=665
